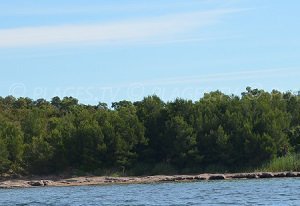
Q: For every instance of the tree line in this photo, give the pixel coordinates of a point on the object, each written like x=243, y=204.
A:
x=217, y=132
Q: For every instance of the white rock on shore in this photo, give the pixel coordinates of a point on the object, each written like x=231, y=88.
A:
x=78, y=181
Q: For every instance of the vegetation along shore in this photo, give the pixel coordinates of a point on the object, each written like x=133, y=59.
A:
x=219, y=133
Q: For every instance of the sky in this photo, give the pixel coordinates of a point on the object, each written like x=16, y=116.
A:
x=107, y=51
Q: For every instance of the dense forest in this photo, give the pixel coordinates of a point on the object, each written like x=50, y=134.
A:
x=218, y=132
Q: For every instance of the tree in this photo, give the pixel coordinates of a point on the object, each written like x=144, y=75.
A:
x=128, y=134
x=294, y=138
x=152, y=113
x=4, y=162
x=38, y=155
x=11, y=139
x=121, y=104
x=89, y=142
x=217, y=131
x=181, y=145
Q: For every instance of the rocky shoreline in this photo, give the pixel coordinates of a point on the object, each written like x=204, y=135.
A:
x=94, y=180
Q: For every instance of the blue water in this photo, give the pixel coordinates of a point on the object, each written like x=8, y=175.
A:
x=237, y=192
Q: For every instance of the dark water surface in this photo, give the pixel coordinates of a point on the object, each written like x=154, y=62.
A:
x=236, y=192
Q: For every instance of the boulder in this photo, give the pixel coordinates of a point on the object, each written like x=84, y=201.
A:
x=216, y=177
x=199, y=177
x=243, y=176
x=179, y=178
x=190, y=178
x=251, y=176
x=47, y=182
x=36, y=183
x=169, y=179
x=279, y=174
x=291, y=174
x=265, y=175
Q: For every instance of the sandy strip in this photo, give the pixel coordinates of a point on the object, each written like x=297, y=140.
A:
x=94, y=180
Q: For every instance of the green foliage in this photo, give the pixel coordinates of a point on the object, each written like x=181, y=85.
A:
x=181, y=142
x=294, y=134
x=11, y=146
x=217, y=133
x=38, y=155
x=4, y=162
x=164, y=169
x=291, y=162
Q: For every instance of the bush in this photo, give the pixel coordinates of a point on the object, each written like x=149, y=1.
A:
x=141, y=169
x=163, y=169
x=290, y=162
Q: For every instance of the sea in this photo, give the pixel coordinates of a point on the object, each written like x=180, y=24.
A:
x=285, y=191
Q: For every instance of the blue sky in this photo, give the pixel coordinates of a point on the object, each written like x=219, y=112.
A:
x=126, y=49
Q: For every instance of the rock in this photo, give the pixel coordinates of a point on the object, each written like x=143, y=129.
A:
x=190, y=178
x=179, y=178
x=124, y=180
x=71, y=180
x=279, y=174
x=235, y=176
x=65, y=182
x=251, y=176
x=115, y=179
x=168, y=179
x=243, y=176
x=216, y=177
x=291, y=174
x=265, y=175
x=200, y=177
x=3, y=186
x=47, y=182
x=36, y=183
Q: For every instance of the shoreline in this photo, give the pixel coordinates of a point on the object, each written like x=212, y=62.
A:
x=55, y=181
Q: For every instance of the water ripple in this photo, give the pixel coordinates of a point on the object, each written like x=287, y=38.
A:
x=237, y=192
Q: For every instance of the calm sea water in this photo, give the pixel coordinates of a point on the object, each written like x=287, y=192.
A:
x=237, y=192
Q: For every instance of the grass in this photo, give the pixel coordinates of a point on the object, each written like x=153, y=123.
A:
x=290, y=162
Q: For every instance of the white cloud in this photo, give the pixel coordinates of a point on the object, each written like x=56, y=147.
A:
x=118, y=32
x=72, y=8
x=249, y=74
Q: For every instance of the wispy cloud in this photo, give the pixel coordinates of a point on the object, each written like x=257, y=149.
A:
x=155, y=28
x=217, y=77
x=73, y=8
